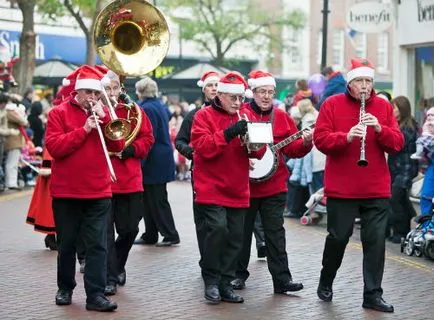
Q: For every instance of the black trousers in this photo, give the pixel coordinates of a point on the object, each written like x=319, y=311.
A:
x=340, y=223
x=87, y=218
x=402, y=211
x=271, y=211
x=157, y=213
x=223, y=242
x=199, y=223
x=258, y=231
x=125, y=215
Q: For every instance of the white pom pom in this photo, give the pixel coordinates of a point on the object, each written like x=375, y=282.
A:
x=65, y=82
x=105, y=81
x=200, y=83
x=248, y=94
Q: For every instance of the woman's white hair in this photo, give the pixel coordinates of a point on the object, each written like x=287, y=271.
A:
x=146, y=88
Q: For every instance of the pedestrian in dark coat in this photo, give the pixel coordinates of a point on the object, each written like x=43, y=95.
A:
x=158, y=169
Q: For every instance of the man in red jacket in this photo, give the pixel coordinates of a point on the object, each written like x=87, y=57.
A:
x=221, y=183
x=81, y=188
x=127, y=201
x=268, y=198
x=351, y=189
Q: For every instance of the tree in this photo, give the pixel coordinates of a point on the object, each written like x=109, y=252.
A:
x=26, y=64
x=80, y=10
x=217, y=28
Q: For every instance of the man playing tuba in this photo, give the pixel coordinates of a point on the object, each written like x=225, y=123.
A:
x=127, y=201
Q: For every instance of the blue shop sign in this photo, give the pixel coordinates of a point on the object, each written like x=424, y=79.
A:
x=49, y=46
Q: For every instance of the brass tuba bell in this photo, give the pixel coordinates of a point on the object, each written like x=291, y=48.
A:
x=131, y=39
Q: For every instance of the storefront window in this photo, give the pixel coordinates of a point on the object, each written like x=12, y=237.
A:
x=424, y=81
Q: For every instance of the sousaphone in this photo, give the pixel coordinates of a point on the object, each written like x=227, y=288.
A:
x=132, y=39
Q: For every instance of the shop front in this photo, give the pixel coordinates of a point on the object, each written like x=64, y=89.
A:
x=414, y=55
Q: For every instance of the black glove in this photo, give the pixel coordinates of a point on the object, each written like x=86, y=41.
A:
x=126, y=98
x=239, y=128
x=189, y=153
x=128, y=152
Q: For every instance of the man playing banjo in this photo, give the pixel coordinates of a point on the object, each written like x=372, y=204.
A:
x=268, y=197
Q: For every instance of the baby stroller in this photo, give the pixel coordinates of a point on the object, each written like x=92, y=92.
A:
x=316, y=208
x=420, y=240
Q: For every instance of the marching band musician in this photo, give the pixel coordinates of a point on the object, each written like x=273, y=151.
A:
x=269, y=197
x=208, y=83
x=222, y=194
x=81, y=188
x=352, y=189
x=127, y=201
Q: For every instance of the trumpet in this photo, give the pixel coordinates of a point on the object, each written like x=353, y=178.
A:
x=362, y=160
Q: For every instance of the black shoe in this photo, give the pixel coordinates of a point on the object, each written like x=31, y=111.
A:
x=228, y=295
x=63, y=297
x=238, y=284
x=110, y=290
x=396, y=239
x=102, y=304
x=167, y=243
x=377, y=304
x=262, y=252
x=82, y=266
x=212, y=293
x=289, y=286
x=122, y=278
x=325, y=293
x=50, y=242
x=146, y=240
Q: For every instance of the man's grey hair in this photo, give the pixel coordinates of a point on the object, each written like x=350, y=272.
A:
x=146, y=88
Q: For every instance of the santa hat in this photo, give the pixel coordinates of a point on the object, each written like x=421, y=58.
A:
x=259, y=78
x=207, y=77
x=68, y=85
x=232, y=82
x=109, y=77
x=360, y=68
x=89, y=78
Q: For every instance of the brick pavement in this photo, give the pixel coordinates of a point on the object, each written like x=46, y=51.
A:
x=165, y=283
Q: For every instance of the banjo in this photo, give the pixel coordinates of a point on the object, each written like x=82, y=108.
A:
x=265, y=168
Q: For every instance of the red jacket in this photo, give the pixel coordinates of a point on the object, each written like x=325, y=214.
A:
x=343, y=177
x=129, y=172
x=283, y=127
x=79, y=168
x=221, y=169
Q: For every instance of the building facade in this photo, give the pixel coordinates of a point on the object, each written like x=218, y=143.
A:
x=343, y=43
x=413, y=74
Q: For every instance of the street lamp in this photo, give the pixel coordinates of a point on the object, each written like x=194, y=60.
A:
x=325, y=12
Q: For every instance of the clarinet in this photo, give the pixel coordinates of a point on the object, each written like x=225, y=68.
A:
x=362, y=161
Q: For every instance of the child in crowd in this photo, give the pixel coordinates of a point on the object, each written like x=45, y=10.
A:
x=426, y=140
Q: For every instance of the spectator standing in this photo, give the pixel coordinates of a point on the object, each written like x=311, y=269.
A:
x=335, y=84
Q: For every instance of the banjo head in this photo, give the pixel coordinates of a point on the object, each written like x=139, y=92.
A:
x=263, y=168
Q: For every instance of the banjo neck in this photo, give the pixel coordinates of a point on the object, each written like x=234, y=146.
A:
x=290, y=139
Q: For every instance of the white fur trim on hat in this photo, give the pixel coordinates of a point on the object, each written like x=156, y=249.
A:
x=66, y=82
x=92, y=84
x=360, y=72
x=231, y=88
x=248, y=94
x=260, y=82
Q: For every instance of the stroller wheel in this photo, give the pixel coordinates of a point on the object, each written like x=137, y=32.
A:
x=429, y=250
x=418, y=253
x=305, y=220
x=409, y=249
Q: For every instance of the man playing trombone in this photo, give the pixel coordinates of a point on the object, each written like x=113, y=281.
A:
x=81, y=187
x=127, y=201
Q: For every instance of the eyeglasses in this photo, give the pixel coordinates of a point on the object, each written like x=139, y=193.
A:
x=364, y=81
x=263, y=92
x=235, y=98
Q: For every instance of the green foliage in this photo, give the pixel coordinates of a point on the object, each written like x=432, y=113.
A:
x=217, y=25
x=57, y=8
